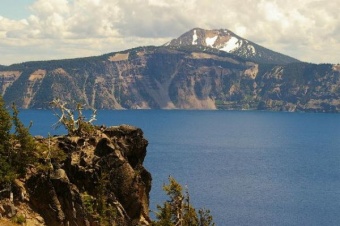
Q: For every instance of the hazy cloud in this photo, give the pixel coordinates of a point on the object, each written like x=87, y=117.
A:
x=306, y=29
x=148, y=19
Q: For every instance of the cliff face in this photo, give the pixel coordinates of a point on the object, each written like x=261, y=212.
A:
x=185, y=77
x=101, y=182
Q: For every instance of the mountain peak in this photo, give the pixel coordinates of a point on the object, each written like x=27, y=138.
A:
x=227, y=41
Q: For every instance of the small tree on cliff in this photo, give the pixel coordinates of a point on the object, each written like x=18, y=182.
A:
x=178, y=211
x=74, y=122
x=26, y=153
x=6, y=171
x=17, y=150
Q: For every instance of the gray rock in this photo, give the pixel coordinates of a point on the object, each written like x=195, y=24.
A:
x=10, y=210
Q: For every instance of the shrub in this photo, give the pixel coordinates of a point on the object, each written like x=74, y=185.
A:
x=19, y=219
x=178, y=210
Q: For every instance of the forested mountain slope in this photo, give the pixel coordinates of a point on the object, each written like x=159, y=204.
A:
x=174, y=77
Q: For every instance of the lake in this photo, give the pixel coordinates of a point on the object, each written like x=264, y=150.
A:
x=247, y=167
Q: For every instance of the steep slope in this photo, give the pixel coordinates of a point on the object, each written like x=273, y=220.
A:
x=102, y=181
x=138, y=78
x=168, y=77
x=227, y=41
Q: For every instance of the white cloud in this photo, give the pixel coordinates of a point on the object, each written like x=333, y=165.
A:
x=306, y=29
x=44, y=9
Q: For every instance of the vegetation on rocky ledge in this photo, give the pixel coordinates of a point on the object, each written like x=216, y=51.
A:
x=178, y=210
x=18, y=150
x=92, y=176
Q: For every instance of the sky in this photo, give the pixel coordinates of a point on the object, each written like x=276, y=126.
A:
x=30, y=30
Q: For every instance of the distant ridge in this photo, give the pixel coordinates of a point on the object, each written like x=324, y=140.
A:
x=226, y=40
x=202, y=69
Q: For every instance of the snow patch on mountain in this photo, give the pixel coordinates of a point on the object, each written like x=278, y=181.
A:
x=211, y=41
x=226, y=41
x=231, y=45
x=251, y=49
x=194, y=38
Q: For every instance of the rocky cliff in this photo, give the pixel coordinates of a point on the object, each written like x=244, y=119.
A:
x=179, y=76
x=101, y=181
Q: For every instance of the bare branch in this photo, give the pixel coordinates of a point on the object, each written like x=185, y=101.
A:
x=94, y=115
x=74, y=125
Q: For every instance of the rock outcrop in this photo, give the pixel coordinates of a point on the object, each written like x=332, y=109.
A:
x=171, y=77
x=101, y=181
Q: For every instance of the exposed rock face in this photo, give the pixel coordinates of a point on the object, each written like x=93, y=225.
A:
x=199, y=70
x=101, y=182
x=229, y=42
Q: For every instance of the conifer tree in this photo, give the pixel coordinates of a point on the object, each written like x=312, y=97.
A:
x=26, y=153
x=16, y=150
x=6, y=173
x=177, y=211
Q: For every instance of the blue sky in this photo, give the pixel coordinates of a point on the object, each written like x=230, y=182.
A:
x=15, y=9
x=56, y=29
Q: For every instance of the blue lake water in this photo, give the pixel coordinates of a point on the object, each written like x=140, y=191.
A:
x=248, y=168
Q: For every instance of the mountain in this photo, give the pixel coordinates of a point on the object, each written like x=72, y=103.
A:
x=229, y=42
x=176, y=77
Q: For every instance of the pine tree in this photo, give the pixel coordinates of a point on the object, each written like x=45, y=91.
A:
x=26, y=153
x=5, y=127
x=178, y=211
x=6, y=172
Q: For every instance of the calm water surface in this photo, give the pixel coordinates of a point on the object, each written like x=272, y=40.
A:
x=248, y=168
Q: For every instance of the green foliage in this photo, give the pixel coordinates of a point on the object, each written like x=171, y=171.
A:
x=19, y=219
x=17, y=150
x=49, y=152
x=178, y=210
x=89, y=202
x=105, y=210
x=98, y=205
x=6, y=172
x=57, y=154
x=26, y=152
x=205, y=218
x=5, y=126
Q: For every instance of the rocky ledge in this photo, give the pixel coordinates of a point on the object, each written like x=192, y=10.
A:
x=100, y=181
